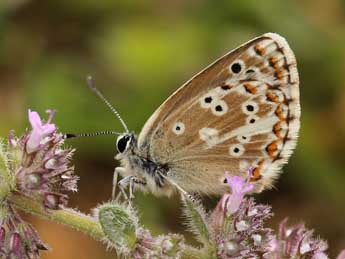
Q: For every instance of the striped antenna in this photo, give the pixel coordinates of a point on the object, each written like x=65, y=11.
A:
x=93, y=87
x=91, y=134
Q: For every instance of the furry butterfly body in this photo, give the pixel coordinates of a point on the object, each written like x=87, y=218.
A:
x=241, y=112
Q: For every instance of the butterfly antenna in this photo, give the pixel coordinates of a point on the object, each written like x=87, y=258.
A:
x=91, y=134
x=93, y=87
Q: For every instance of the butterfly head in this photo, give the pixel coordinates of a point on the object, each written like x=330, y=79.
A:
x=124, y=142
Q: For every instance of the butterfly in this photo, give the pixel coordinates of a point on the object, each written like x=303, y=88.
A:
x=241, y=112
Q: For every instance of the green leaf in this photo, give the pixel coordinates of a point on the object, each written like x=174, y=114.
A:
x=6, y=179
x=196, y=220
x=119, y=224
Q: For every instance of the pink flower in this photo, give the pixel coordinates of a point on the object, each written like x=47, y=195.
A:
x=298, y=242
x=39, y=130
x=45, y=172
x=239, y=187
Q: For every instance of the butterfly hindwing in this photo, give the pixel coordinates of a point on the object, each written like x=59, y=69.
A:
x=241, y=112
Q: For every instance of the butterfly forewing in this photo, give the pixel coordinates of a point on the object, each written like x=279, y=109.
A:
x=241, y=112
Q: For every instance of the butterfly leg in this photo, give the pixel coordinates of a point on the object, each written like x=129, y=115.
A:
x=130, y=181
x=172, y=182
x=118, y=171
x=123, y=183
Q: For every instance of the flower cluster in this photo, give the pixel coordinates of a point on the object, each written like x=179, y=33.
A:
x=18, y=239
x=34, y=166
x=298, y=242
x=41, y=165
x=164, y=246
x=236, y=229
x=236, y=226
x=243, y=235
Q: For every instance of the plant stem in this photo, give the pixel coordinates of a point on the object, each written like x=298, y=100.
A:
x=193, y=253
x=68, y=217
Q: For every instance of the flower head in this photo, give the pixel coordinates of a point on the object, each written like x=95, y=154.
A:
x=39, y=131
x=243, y=234
x=298, y=242
x=164, y=246
x=40, y=165
x=37, y=166
x=238, y=223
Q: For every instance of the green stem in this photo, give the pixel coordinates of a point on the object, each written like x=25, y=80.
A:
x=68, y=217
x=193, y=253
x=81, y=222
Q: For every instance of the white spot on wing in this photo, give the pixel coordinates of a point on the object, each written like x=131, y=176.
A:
x=243, y=139
x=269, y=46
x=206, y=101
x=236, y=150
x=219, y=108
x=262, y=126
x=250, y=107
x=241, y=63
x=244, y=165
x=178, y=128
x=209, y=135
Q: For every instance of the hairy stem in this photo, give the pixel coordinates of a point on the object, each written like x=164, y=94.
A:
x=68, y=217
x=193, y=253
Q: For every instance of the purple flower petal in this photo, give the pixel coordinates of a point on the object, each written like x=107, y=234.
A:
x=239, y=187
x=39, y=131
x=35, y=119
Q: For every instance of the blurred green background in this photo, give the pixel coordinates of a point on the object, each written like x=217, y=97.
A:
x=141, y=51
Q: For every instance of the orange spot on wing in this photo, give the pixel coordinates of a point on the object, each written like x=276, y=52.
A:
x=259, y=50
x=279, y=74
x=272, y=97
x=250, y=88
x=272, y=148
x=273, y=61
x=276, y=130
x=279, y=113
x=257, y=171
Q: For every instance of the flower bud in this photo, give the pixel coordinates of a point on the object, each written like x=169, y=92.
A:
x=2, y=237
x=54, y=200
x=231, y=248
x=16, y=245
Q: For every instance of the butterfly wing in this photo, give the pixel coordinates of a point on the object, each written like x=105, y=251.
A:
x=241, y=112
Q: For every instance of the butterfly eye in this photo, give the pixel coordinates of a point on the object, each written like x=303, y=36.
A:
x=122, y=143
